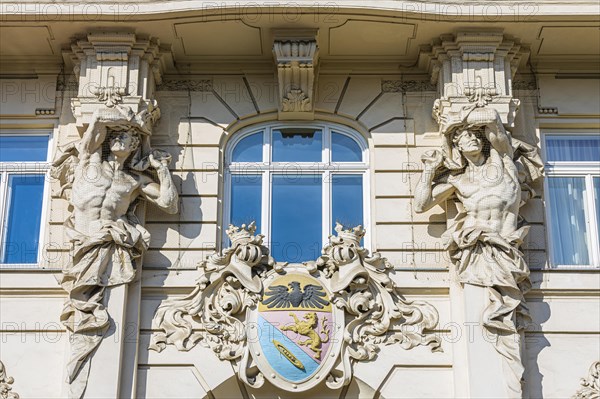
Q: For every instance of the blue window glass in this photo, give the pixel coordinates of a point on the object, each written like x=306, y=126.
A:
x=346, y=200
x=576, y=148
x=296, y=217
x=344, y=149
x=24, y=218
x=23, y=148
x=568, y=220
x=249, y=149
x=297, y=145
x=246, y=192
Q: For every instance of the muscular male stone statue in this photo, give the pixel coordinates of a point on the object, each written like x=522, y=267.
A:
x=488, y=172
x=107, y=171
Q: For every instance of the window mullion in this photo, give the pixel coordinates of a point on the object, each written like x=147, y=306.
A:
x=326, y=150
x=593, y=226
x=326, y=184
x=267, y=146
x=3, y=211
x=266, y=207
x=266, y=188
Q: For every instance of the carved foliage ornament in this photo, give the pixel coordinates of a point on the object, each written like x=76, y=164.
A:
x=295, y=332
x=590, y=386
x=296, y=61
x=6, y=385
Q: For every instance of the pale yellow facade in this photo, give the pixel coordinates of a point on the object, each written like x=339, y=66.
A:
x=219, y=79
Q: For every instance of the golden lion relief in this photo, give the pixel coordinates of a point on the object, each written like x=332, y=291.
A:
x=308, y=327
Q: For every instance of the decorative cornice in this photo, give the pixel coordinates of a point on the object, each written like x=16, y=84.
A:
x=404, y=86
x=114, y=68
x=6, y=385
x=473, y=68
x=185, y=85
x=590, y=386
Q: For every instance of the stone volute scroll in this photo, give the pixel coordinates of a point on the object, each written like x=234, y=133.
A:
x=296, y=57
x=590, y=386
x=294, y=325
x=489, y=174
x=6, y=382
x=104, y=175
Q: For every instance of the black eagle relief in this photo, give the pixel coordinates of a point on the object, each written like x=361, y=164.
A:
x=310, y=296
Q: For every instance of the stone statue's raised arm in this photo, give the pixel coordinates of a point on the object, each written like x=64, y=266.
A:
x=428, y=193
x=163, y=194
x=95, y=134
x=93, y=137
x=494, y=130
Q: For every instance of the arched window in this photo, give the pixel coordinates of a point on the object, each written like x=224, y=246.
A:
x=296, y=182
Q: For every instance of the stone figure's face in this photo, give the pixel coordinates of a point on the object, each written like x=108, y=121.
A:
x=124, y=142
x=468, y=141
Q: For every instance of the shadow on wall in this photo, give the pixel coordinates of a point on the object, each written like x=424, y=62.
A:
x=535, y=343
x=173, y=235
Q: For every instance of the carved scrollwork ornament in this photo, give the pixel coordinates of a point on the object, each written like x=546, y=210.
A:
x=111, y=95
x=229, y=283
x=6, y=384
x=590, y=386
x=311, y=300
x=362, y=287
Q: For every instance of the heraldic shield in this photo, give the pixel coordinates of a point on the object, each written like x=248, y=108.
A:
x=294, y=332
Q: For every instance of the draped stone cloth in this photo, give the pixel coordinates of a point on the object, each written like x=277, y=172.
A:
x=104, y=259
x=486, y=259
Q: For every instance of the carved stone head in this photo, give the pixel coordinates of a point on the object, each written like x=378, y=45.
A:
x=124, y=142
x=468, y=141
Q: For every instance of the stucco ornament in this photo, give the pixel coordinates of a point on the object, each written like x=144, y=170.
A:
x=489, y=173
x=296, y=55
x=286, y=323
x=590, y=386
x=361, y=285
x=229, y=283
x=6, y=384
x=103, y=176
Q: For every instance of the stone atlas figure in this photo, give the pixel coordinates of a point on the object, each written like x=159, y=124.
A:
x=103, y=175
x=489, y=172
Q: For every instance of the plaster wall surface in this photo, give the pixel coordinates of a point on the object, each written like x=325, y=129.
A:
x=561, y=343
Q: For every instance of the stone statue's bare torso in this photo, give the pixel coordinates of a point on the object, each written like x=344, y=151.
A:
x=104, y=189
x=490, y=195
x=488, y=187
x=103, y=193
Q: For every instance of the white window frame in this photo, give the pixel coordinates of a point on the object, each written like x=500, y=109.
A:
x=24, y=167
x=587, y=170
x=326, y=168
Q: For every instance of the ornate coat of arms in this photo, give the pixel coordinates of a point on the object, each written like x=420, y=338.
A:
x=294, y=329
x=295, y=325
